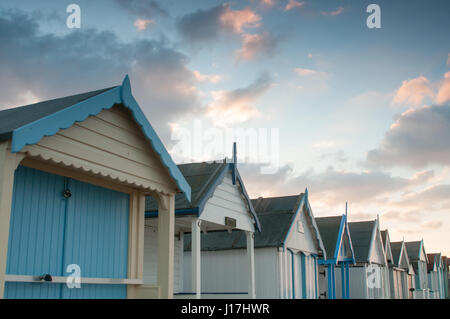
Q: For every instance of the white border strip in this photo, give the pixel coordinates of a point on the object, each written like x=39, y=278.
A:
x=84, y=280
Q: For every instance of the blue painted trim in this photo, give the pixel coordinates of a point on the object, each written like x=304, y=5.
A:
x=33, y=132
x=233, y=172
x=187, y=211
x=63, y=252
x=210, y=192
x=343, y=283
x=330, y=282
x=292, y=273
x=339, y=240
x=302, y=256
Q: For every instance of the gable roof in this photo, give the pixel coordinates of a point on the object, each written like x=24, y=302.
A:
x=28, y=124
x=14, y=118
x=387, y=245
x=329, y=228
x=332, y=230
x=362, y=234
x=276, y=215
x=433, y=259
x=398, y=250
x=203, y=179
x=414, y=248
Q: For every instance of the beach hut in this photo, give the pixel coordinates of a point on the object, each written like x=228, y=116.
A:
x=368, y=277
x=418, y=259
x=401, y=272
x=74, y=173
x=389, y=259
x=334, y=276
x=445, y=263
x=286, y=252
x=219, y=203
x=435, y=269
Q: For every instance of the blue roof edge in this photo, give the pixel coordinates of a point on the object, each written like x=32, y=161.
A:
x=33, y=132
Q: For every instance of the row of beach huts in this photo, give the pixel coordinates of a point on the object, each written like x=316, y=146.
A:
x=93, y=206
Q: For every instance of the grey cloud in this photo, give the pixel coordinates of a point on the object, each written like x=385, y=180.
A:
x=418, y=138
x=47, y=66
x=201, y=25
x=143, y=8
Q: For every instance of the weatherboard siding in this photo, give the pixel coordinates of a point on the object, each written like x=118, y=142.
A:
x=227, y=201
x=111, y=135
x=301, y=241
x=225, y=271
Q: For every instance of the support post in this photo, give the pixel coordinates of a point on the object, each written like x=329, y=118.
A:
x=347, y=281
x=251, y=264
x=166, y=234
x=343, y=281
x=8, y=163
x=196, y=257
x=330, y=281
x=136, y=230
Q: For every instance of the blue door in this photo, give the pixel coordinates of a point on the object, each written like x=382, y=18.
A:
x=87, y=227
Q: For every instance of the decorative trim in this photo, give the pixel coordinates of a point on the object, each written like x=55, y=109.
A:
x=33, y=132
x=88, y=167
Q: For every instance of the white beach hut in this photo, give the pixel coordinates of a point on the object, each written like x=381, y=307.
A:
x=286, y=252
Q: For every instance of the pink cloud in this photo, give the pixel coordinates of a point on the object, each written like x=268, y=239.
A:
x=237, y=106
x=214, y=78
x=309, y=72
x=142, y=24
x=267, y=3
x=443, y=94
x=236, y=20
x=293, y=4
x=254, y=45
x=413, y=91
x=334, y=13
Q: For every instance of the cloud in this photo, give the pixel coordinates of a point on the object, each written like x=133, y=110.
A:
x=432, y=224
x=205, y=78
x=443, y=94
x=39, y=66
x=205, y=25
x=413, y=91
x=254, y=45
x=333, y=186
x=146, y=9
x=293, y=4
x=142, y=24
x=412, y=216
x=417, y=139
x=434, y=197
x=309, y=72
x=448, y=59
x=334, y=13
x=237, y=106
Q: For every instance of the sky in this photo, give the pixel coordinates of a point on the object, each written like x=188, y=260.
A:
x=353, y=114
